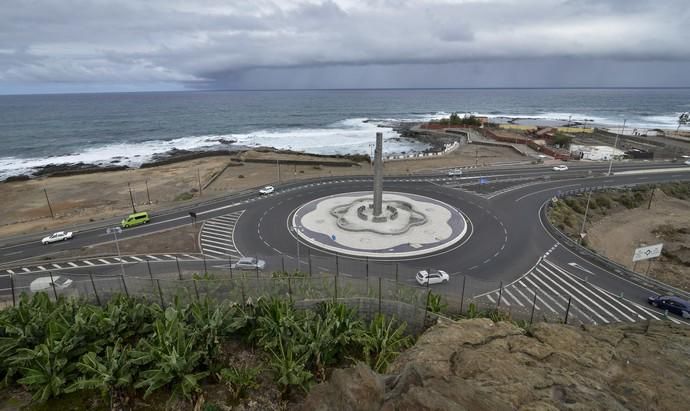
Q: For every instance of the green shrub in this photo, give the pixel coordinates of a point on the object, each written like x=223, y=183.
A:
x=239, y=379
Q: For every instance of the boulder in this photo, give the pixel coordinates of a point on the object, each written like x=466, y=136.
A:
x=480, y=365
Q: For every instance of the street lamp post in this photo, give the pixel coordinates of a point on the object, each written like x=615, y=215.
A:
x=615, y=143
x=115, y=231
x=584, y=220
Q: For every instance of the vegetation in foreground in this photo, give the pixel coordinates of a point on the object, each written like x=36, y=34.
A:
x=133, y=354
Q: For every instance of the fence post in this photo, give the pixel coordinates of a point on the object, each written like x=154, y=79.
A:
x=290, y=287
x=282, y=263
x=93, y=284
x=462, y=295
x=14, y=299
x=396, y=273
x=257, y=266
x=567, y=310
x=124, y=285
x=230, y=265
x=148, y=264
x=179, y=271
x=335, y=289
x=379, y=295
x=337, y=267
x=244, y=300
x=534, y=303
x=426, y=306
x=160, y=292
x=52, y=282
x=309, y=257
x=204, y=256
x=500, y=292
x=196, y=290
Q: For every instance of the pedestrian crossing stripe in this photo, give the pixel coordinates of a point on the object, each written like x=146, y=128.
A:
x=554, y=290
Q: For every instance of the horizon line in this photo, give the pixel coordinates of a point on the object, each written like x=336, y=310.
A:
x=356, y=89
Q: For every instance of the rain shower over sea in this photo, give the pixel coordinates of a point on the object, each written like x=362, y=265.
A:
x=130, y=128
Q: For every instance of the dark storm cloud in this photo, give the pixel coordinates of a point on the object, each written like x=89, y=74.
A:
x=242, y=43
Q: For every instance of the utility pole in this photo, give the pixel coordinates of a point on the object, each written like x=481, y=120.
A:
x=148, y=196
x=476, y=157
x=48, y=201
x=584, y=220
x=615, y=143
x=651, y=197
x=131, y=197
x=198, y=177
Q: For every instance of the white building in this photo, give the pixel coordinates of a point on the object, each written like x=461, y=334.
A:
x=595, y=152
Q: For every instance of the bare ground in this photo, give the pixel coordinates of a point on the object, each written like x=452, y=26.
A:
x=178, y=240
x=668, y=221
x=87, y=198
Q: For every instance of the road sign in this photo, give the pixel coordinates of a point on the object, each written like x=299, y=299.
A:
x=645, y=253
x=333, y=237
x=116, y=230
x=483, y=180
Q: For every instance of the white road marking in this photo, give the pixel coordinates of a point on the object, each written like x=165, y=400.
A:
x=42, y=268
x=56, y=266
x=73, y=265
x=153, y=257
x=87, y=262
x=136, y=258
x=104, y=261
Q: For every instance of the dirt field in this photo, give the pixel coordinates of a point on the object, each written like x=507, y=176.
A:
x=668, y=221
x=93, y=197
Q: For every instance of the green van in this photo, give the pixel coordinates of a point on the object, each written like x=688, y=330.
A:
x=135, y=219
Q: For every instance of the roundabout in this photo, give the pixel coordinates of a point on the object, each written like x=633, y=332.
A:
x=409, y=225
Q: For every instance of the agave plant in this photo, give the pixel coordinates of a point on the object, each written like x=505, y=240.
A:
x=383, y=341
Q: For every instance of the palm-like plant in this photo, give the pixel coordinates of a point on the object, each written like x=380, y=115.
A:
x=170, y=356
x=111, y=374
x=239, y=379
x=276, y=319
x=383, y=341
x=289, y=367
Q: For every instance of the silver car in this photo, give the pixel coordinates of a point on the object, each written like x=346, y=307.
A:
x=249, y=263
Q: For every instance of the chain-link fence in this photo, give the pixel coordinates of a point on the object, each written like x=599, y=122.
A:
x=370, y=286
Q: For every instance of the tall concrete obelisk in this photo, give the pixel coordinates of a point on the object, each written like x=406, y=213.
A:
x=378, y=175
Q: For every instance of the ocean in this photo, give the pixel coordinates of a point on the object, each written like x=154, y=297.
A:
x=130, y=128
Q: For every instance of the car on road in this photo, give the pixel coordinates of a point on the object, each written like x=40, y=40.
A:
x=454, y=172
x=425, y=277
x=59, y=236
x=561, y=167
x=135, y=219
x=673, y=304
x=267, y=190
x=249, y=263
x=46, y=283
x=687, y=162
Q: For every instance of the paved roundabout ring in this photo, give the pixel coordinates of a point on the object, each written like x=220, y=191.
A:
x=415, y=225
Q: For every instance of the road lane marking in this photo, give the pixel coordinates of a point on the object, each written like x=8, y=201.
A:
x=136, y=258
x=104, y=261
x=153, y=257
x=88, y=262
x=42, y=268
x=73, y=265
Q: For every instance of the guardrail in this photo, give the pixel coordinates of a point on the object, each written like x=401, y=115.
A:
x=596, y=258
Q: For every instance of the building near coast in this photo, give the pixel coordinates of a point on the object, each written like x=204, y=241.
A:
x=595, y=153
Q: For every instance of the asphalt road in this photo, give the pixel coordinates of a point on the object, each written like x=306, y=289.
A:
x=507, y=241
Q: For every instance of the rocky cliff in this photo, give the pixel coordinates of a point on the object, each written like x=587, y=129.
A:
x=481, y=365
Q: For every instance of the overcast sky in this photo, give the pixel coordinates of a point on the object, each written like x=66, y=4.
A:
x=130, y=45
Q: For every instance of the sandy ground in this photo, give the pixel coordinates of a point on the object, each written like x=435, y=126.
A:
x=93, y=197
x=618, y=235
x=179, y=240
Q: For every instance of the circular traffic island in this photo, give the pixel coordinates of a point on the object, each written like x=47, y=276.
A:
x=407, y=226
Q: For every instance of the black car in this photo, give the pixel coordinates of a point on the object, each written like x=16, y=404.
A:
x=671, y=303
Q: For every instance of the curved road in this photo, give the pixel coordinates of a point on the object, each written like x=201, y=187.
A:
x=506, y=247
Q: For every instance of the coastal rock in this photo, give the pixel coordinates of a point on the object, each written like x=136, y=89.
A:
x=480, y=365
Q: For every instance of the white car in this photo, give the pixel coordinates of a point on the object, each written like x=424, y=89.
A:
x=425, y=277
x=267, y=190
x=249, y=263
x=59, y=236
x=454, y=172
x=561, y=167
x=687, y=162
x=44, y=283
